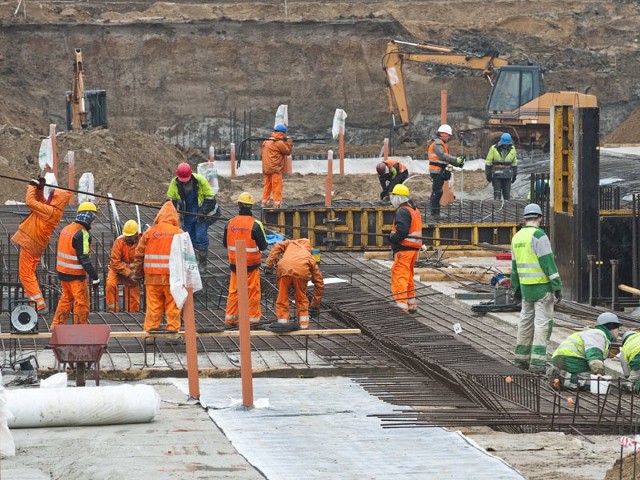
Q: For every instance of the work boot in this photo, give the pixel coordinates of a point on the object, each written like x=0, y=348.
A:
x=201, y=256
x=174, y=340
x=43, y=311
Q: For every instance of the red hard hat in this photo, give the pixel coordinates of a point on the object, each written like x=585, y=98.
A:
x=184, y=172
x=381, y=168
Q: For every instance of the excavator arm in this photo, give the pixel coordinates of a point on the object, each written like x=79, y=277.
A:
x=78, y=110
x=398, y=52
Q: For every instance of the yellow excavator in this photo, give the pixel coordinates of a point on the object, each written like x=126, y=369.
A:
x=516, y=103
x=86, y=109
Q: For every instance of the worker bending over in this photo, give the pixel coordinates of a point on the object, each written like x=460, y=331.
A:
x=34, y=233
x=390, y=174
x=583, y=353
x=406, y=241
x=244, y=227
x=439, y=158
x=274, y=152
x=501, y=167
x=191, y=194
x=121, y=270
x=295, y=266
x=534, y=280
x=151, y=260
x=630, y=358
x=73, y=263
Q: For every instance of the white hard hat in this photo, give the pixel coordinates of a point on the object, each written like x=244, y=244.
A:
x=532, y=210
x=444, y=128
x=606, y=318
x=626, y=335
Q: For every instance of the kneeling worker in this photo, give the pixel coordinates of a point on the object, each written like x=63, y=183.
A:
x=583, y=353
x=295, y=266
x=406, y=241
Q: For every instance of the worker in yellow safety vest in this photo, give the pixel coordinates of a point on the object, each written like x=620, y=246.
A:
x=630, y=358
x=535, y=280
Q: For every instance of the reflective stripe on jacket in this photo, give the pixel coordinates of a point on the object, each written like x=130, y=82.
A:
x=495, y=158
x=436, y=165
x=630, y=354
x=413, y=239
x=158, y=248
x=592, y=344
x=529, y=269
x=67, y=258
x=239, y=228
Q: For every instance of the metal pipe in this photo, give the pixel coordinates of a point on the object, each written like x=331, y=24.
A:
x=614, y=283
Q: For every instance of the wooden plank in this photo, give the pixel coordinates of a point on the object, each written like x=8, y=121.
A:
x=225, y=333
x=467, y=277
x=459, y=271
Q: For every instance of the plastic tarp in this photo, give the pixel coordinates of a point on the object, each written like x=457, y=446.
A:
x=85, y=184
x=58, y=407
x=45, y=155
x=7, y=446
x=209, y=171
x=327, y=428
x=338, y=121
x=183, y=269
x=282, y=116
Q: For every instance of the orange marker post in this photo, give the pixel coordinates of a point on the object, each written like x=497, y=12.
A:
x=288, y=164
x=443, y=106
x=71, y=160
x=193, y=372
x=54, y=148
x=385, y=149
x=341, y=148
x=232, y=149
x=246, y=372
x=328, y=186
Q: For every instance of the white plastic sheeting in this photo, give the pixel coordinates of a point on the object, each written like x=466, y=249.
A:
x=323, y=428
x=7, y=446
x=57, y=407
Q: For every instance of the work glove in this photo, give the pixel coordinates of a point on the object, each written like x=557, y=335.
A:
x=39, y=183
x=95, y=282
x=488, y=171
x=517, y=296
x=268, y=270
x=460, y=159
x=514, y=173
x=558, y=295
x=383, y=195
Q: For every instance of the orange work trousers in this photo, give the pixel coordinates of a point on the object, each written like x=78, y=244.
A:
x=403, y=287
x=272, y=190
x=231, y=315
x=285, y=283
x=27, y=265
x=75, y=293
x=159, y=301
x=131, y=294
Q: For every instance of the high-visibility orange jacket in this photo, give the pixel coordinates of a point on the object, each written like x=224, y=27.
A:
x=297, y=262
x=247, y=228
x=122, y=256
x=35, y=231
x=406, y=231
x=439, y=155
x=274, y=151
x=154, y=248
x=74, y=248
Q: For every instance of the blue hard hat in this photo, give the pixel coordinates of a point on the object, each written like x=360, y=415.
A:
x=505, y=139
x=280, y=128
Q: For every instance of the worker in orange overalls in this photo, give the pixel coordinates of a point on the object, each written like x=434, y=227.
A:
x=152, y=260
x=439, y=158
x=406, y=241
x=34, y=233
x=274, y=152
x=244, y=227
x=121, y=270
x=295, y=267
x=73, y=265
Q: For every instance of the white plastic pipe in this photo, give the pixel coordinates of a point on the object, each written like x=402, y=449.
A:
x=61, y=407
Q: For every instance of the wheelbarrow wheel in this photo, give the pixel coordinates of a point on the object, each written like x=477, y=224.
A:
x=80, y=374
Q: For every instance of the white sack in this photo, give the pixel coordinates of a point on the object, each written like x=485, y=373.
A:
x=85, y=184
x=209, y=171
x=282, y=116
x=45, y=155
x=57, y=380
x=183, y=269
x=338, y=121
x=7, y=446
x=62, y=407
x=49, y=179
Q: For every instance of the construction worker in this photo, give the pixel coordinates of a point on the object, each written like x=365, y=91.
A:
x=630, y=358
x=295, y=266
x=73, y=265
x=406, y=241
x=501, y=167
x=191, y=192
x=439, y=159
x=582, y=354
x=152, y=260
x=244, y=227
x=534, y=280
x=121, y=270
x=390, y=174
x=34, y=233
x=274, y=152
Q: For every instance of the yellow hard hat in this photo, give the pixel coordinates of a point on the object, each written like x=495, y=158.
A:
x=400, y=189
x=87, y=207
x=130, y=228
x=246, y=198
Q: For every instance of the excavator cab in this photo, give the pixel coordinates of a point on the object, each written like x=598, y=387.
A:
x=513, y=86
